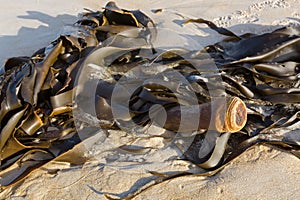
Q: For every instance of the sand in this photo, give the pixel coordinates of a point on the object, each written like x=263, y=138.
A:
x=262, y=172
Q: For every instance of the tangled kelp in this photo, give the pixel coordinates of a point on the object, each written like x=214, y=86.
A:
x=37, y=124
x=36, y=92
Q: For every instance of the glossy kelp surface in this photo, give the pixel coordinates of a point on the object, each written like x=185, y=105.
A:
x=37, y=122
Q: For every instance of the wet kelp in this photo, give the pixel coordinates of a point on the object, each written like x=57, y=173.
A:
x=36, y=92
x=37, y=122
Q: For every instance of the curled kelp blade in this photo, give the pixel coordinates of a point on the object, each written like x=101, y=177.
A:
x=30, y=160
x=15, y=61
x=114, y=15
x=36, y=92
x=121, y=22
x=220, y=30
x=252, y=48
x=207, y=150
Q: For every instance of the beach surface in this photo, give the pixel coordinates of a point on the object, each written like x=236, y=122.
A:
x=262, y=172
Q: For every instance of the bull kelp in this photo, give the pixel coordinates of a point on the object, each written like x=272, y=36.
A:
x=229, y=96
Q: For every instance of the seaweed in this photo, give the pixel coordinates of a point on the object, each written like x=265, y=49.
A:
x=254, y=86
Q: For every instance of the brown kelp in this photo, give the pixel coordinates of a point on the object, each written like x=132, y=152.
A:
x=36, y=92
x=261, y=73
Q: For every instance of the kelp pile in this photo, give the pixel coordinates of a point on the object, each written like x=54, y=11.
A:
x=36, y=92
x=37, y=122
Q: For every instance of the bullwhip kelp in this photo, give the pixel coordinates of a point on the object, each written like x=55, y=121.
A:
x=105, y=72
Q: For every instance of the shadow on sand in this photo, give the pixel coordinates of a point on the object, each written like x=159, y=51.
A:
x=29, y=39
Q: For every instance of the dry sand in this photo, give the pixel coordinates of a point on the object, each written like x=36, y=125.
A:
x=260, y=173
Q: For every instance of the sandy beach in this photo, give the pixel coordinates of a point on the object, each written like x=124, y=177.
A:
x=262, y=172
